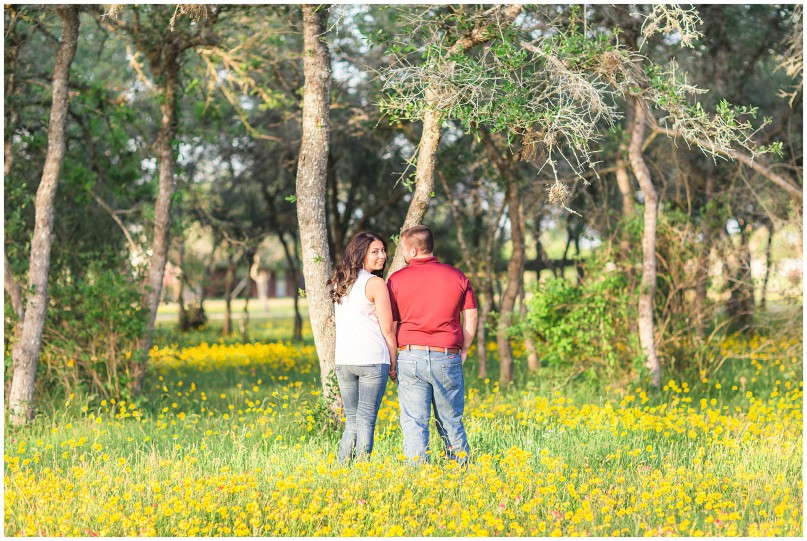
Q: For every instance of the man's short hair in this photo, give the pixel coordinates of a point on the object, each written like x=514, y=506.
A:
x=420, y=237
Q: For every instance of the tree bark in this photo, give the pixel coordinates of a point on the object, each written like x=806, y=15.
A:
x=183, y=313
x=741, y=300
x=11, y=55
x=648, y=285
x=768, y=263
x=13, y=289
x=502, y=17
x=291, y=257
x=229, y=278
x=515, y=267
x=623, y=181
x=25, y=354
x=515, y=272
x=250, y=259
x=337, y=229
x=13, y=42
x=625, y=189
x=702, y=272
x=312, y=170
x=483, y=299
x=533, y=363
x=485, y=293
x=424, y=175
x=166, y=162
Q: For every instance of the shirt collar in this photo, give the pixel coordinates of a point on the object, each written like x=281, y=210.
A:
x=422, y=260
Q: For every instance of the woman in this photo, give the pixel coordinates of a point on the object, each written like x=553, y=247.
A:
x=366, y=348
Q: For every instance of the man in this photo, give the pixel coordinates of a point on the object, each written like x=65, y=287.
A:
x=427, y=299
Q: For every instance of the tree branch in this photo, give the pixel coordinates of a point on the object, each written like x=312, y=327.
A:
x=763, y=169
x=114, y=215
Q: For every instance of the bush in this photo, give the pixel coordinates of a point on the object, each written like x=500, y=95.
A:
x=92, y=333
x=587, y=326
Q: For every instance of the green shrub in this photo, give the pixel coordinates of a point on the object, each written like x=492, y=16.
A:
x=92, y=332
x=587, y=326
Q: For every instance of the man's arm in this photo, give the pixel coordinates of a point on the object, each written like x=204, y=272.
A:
x=469, y=321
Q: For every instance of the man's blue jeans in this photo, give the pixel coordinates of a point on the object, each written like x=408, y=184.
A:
x=362, y=388
x=429, y=379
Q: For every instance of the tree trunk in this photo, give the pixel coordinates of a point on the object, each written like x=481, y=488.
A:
x=13, y=42
x=515, y=272
x=483, y=299
x=628, y=205
x=625, y=189
x=768, y=262
x=500, y=18
x=648, y=286
x=169, y=71
x=250, y=258
x=336, y=231
x=533, y=363
x=741, y=301
x=747, y=282
x=482, y=335
x=13, y=289
x=183, y=313
x=312, y=171
x=291, y=259
x=515, y=267
x=424, y=175
x=229, y=278
x=25, y=354
x=702, y=271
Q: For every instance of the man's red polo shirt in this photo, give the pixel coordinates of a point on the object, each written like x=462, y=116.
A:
x=427, y=297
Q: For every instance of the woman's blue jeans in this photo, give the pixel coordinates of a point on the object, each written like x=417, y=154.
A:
x=362, y=388
x=429, y=380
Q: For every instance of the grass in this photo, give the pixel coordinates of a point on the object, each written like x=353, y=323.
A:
x=276, y=308
x=231, y=439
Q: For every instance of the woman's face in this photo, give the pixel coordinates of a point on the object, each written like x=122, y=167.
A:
x=376, y=256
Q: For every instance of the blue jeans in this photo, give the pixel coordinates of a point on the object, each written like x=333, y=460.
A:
x=362, y=388
x=426, y=380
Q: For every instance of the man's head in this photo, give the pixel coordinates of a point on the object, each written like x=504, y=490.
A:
x=417, y=241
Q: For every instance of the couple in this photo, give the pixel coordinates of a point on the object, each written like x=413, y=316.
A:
x=409, y=329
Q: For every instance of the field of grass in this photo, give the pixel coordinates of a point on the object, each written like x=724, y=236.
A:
x=230, y=439
x=274, y=310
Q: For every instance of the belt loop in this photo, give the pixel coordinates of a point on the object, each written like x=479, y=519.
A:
x=445, y=350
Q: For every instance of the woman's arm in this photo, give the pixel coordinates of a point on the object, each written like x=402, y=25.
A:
x=376, y=291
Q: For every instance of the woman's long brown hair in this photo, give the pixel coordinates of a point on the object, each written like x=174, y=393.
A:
x=346, y=272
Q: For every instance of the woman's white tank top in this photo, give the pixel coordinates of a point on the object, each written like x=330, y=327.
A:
x=358, y=334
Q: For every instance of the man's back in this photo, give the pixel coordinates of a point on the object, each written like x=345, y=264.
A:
x=427, y=297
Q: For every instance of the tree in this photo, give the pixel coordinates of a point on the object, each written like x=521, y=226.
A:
x=506, y=164
x=558, y=91
x=312, y=171
x=474, y=29
x=648, y=285
x=15, y=39
x=26, y=347
x=163, y=43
